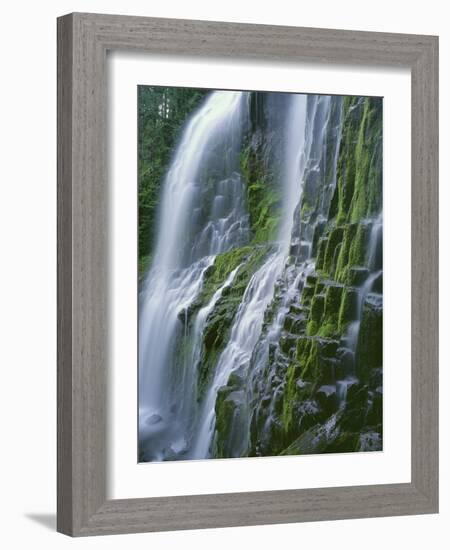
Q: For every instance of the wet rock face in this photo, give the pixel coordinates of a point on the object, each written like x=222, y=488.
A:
x=370, y=344
x=230, y=407
x=329, y=354
x=305, y=371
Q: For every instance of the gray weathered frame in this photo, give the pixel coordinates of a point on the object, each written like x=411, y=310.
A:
x=83, y=40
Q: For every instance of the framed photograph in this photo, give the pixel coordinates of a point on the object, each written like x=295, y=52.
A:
x=247, y=274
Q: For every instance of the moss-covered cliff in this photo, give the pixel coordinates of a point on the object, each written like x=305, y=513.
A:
x=304, y=374
x=326, y=393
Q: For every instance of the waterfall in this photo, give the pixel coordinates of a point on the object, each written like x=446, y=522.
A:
x=197, y=220
x=373, y=266
x=306, y=161
x=247, y=326
x=246, y=342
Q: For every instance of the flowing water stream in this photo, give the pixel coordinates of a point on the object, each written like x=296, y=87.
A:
x=188, y=240
x=203, y=216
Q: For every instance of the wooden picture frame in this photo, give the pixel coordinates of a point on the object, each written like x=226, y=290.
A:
x=83, y=40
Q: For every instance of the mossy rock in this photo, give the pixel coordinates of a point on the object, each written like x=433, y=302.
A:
x=329, y=324
x=219, y=322
x=299, y=251
x=320, y=285
x=333, y=244
x=357, y=275
x=319, y=229
x=377, y=285
x=229, y=410
x=315, y=356
x=326, y=396
x=346, y=442
x=347, y=311
x=263, y=196
x=368, y=177
x=342, y=264
x=311, y=279
x=375, y=409
x=369, y=354
x=333, y=295
x=304, y=413
x=358, y=248
x=370, y=441
x=359, y=170
x=307, y=294
x=355, y=414
x=321, y=250
x=317, y=308
x=298, y=411
x=296, y=309
x=288, y=343
x=315, y=440
x=295, y=324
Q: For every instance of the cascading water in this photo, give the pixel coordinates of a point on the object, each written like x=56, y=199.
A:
x=249, y=319
x=197, y=221
x=372, y=272
x=244, y=360
x=306, y=161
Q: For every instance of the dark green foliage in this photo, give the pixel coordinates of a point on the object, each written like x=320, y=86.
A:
x=161, y=114
x=144, y=264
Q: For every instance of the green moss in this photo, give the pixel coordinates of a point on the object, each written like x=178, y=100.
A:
x=347, y=309
x=311, y=279
x=320, y=285
x=357, y=275
x=359, y=170
x=295, y=325
x=329, y=298
x=330, y=319
x=217, y=274
x=369, y=354
x=315, y=440
x=322, y=247
x=309, y=359
x=358, y=247
x=307, y=294
x=219, y=322
x=367, y=195
x=264, y=211
x=263, y=198
x=306, y=210
x=290, y=395
x=333, y=296
x=334, y=241
x=312, y=328
x=317, y=308
x=343, y=259
x=346, y=167
x=228, y=409
x=328, y=330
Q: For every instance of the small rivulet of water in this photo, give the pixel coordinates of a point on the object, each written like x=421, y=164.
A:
x=373, y=265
